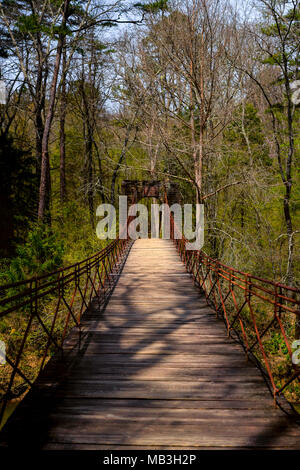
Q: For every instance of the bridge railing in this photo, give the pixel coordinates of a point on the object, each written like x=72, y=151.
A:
x=264, y=315
x=36, y=315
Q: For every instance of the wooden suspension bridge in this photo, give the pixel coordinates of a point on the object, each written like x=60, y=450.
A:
x=150, y=354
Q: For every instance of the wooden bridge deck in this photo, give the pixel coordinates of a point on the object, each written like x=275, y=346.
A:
x=155, y=370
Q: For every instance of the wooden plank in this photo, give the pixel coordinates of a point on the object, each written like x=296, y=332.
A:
x=183, y=409
x=158, y=347
x=182, y=360
x=187, y=436
x=110, y=423
x=52, y=446
x=161, y=390
x=155, y=370
x=109, y=374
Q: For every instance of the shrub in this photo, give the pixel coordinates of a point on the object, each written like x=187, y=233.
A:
x=42, y=253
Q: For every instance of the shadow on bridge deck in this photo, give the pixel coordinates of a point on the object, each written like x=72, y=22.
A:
x=155, y=370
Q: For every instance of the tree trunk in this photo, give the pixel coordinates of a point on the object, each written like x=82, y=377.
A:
x=120, y=161
x=63, y=111
x=89, y=170
x=199, y=172
x=45, y=182
x=288, y=185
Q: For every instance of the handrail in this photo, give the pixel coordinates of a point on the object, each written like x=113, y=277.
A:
x=264, y=315
x=260, y=312
x=68, y=292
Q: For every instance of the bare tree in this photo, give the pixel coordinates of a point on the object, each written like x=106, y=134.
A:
x=274, y=46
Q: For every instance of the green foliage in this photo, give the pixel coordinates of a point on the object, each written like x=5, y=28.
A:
x=31, y=24
x=42, y=253
x=28, y=24
x=276, y=344
x=247, y=126
x=109, y=24
x=18, y=193
x=275, y=59
x=74, y=226
x=285, y=32
x=153, y=7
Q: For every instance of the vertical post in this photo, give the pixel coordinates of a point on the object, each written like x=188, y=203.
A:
x=297, y=319
x=247, y=300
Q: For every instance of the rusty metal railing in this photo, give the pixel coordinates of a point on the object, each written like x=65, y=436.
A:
x=36, y=315
x=263, y=315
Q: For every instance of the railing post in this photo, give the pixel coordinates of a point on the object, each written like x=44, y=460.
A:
x=297, y=319
x=247, y=300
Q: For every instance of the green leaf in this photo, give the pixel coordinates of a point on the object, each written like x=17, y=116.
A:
x=153, y=7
